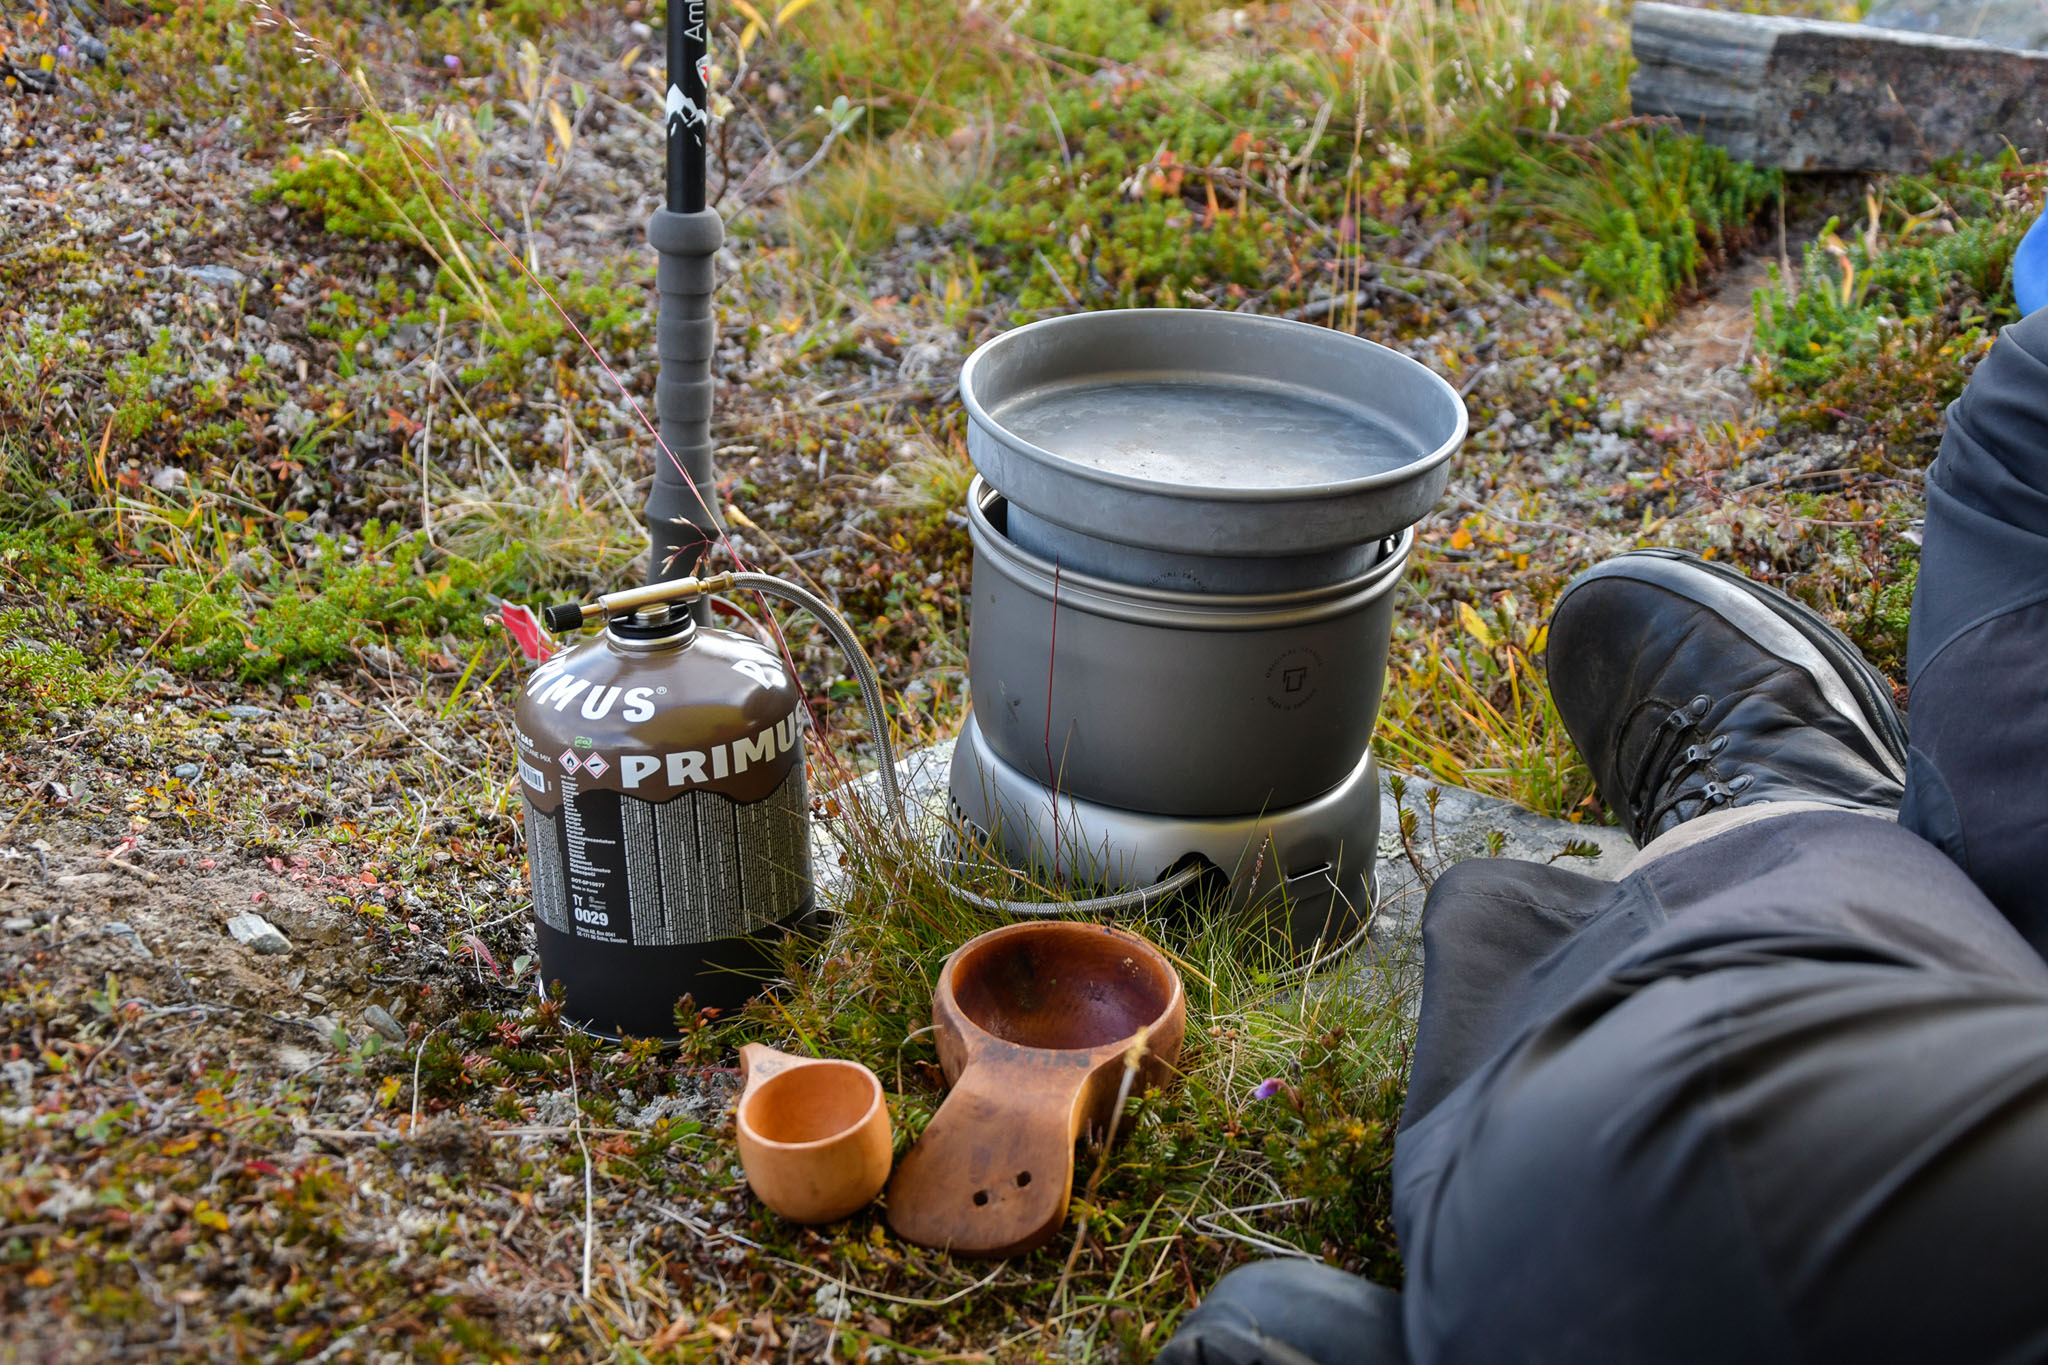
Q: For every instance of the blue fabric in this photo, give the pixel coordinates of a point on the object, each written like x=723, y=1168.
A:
x=2030, y=268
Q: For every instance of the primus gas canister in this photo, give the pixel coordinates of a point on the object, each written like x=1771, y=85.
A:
x=662, y=765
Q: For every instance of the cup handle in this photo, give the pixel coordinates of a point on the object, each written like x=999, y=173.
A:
x=758, y=1062
x=994, y=1170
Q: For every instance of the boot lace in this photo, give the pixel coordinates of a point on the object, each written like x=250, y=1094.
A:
x=1678, y=770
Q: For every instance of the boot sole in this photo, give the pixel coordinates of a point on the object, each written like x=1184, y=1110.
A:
x=1866, y=696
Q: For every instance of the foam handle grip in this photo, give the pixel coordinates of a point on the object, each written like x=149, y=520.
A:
x=682, y=506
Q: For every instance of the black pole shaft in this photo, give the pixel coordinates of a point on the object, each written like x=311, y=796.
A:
x=682, y=506
x=688, y=22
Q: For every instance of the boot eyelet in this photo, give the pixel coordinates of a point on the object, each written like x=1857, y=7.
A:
x=1741, y=782
x=1717, y=744
x=1700, y=705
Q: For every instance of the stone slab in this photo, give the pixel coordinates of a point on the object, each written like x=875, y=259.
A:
x=1811, y=95
x=1459, y=824
x=2006, y=23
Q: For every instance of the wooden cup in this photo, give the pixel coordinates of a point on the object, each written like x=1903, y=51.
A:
x=814, y=1134
x=1033, y=1021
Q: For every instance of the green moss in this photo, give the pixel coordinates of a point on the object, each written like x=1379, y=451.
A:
x=1890, y=311
x=393, y=178
x=342, y=595
x=1141, y=197
x=1643, y=214
x=42, y=672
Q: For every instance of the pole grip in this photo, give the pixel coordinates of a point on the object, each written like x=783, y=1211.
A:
x=682, y=506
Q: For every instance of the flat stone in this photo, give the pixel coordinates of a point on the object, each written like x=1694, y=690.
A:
x=1810, y=95
x=258, y=933
x=17, y=925
x=1464, y=824
x=2006, y=23
x=1461, y=824
x=186, y=772
x=379, y=1018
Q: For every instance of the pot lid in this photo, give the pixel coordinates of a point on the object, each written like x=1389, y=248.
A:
x=1208, y=432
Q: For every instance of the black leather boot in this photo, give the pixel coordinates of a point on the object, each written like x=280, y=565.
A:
x=1688, y=687
x=1292, y=1312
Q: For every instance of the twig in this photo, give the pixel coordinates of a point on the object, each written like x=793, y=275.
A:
x=1616, y=126
x=745, y=202
x=1475, y=505
x=1065, y=292
x=142, y=874
x=94, y=1060
x=589, y=1185
x=1134, y=1056
x=954, y=1297
x=529, y=1130
x=1207, y=1223
x=1323, y=307
x=1465, y=389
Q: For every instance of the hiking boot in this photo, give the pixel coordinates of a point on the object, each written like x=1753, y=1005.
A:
x=1291, y=1312
x=1688, y=687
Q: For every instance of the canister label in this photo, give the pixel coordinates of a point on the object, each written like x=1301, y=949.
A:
x=694, y=868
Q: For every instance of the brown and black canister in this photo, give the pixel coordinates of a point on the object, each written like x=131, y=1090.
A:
x=662, y=765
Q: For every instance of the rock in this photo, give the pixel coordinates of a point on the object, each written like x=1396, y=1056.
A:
x=258, y=933
x=379, y=1018
x=93, y=50
x=17, y=925
x=246, y=713
x=2006, y=23
x=1809, y=95
x=115, y=928
x=224, y=275
x=186, y=772
x=1461, y=824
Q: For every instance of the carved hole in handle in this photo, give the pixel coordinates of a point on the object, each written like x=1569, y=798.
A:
x=1023, y=1179
x=980, y=1198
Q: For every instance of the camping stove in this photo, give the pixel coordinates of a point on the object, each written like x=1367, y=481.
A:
x=1188, y=532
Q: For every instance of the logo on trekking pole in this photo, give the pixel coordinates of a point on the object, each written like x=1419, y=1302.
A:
x=681, y=106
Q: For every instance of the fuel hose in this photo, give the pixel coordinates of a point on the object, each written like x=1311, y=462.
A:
x=1133, y=899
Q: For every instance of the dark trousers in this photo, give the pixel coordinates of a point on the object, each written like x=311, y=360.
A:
x=1781, y=1095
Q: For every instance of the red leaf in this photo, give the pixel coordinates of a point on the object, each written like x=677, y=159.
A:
x=526, y=631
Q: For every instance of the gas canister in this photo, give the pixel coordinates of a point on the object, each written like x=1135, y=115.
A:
x=662, y=768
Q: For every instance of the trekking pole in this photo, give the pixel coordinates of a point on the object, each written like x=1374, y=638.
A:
x=682, y=507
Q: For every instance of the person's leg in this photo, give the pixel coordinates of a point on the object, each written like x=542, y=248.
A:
x=1696, y=697
x=1721, y=1108
x=1801, y=1118
x=1773, y=1078
x=1979, y=694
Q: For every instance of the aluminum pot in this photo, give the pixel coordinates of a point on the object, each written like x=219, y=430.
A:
x=1173, y=703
